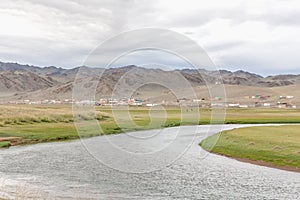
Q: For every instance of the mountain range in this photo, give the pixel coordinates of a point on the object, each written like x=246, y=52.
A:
x=19, y=82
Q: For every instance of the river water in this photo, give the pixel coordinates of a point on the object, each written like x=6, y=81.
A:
x=163, y=164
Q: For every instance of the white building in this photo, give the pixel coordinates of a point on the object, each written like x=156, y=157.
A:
x=234, y=105
x=151, y=104
x=267, y=104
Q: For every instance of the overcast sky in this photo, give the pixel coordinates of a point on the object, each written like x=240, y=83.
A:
x=260, y=36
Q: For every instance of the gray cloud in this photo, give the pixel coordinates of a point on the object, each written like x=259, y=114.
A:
x=224, y=46
x=281, y=58
x=285, y=18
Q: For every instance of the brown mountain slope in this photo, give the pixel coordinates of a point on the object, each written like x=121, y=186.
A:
x=24, y=81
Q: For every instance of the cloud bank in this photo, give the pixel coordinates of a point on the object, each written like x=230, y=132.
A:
x=261, y=36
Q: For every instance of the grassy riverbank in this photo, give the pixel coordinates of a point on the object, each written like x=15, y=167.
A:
x=27, y=124
x=270, y=146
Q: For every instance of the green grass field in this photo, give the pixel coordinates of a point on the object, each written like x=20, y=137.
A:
x=45, y=123
x=271, y=145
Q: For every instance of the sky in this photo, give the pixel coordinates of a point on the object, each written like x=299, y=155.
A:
x=260, y=36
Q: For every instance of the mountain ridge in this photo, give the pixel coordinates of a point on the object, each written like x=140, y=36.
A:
x=25, y=80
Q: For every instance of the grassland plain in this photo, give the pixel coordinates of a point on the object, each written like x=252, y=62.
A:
x=28, y=124
x=273, y=146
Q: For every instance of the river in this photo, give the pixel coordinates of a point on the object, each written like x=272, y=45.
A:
x=163, y=164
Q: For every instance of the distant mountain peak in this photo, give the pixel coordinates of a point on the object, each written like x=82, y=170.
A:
x=242, y=72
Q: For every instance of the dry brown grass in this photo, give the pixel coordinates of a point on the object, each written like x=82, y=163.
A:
x=22, y=114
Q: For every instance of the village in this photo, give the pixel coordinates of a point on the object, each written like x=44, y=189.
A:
x=255, y=101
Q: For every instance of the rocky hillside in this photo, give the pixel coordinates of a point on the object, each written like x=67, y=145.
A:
x=25, y=81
